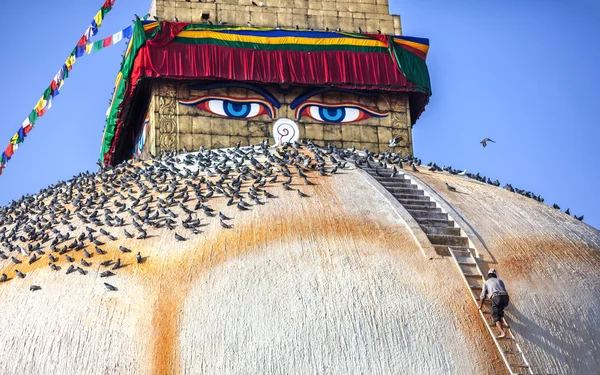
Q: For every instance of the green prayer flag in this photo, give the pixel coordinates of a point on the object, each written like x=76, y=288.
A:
x=97, y=46
x=33, y=116
x=47, y=93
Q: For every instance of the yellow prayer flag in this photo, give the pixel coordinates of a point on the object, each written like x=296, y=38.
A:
x=15, y=139
x=88, y=48
x=70, y=61
x=40, y=104
x=98, y=19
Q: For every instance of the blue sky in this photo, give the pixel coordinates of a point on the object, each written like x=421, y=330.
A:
x=524, y=73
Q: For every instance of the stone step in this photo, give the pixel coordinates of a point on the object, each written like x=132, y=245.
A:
x=422, y=208
x=403, y=197
x=405, y=190
x=395, y=182
x=383, y=173
x=422, y=214
x=442, y=239
x=449, y=231
x=441, y=250
x=422, y=203
x=435, y=222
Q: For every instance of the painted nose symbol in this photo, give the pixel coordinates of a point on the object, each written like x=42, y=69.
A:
x=285, y=131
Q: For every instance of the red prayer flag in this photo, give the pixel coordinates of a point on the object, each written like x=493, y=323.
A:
x=27, y=129
x=53, y=86
x=106, y=42
x=82, y=41
x=9, y=151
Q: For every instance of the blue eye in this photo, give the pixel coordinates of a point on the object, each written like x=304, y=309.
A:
x=234, y=109
x=336, y=113
x=332, y=114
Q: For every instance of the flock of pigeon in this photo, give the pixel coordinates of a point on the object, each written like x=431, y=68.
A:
x=171, y=191
x=133, y=199
x=394, y=142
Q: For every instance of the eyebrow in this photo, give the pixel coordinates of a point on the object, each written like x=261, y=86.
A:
x=312, y=92
x=220, y=85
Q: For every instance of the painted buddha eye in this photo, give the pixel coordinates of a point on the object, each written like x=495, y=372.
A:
x=336, y=113
x=236, y=108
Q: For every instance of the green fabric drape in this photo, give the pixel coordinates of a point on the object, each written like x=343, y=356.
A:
x=137, y=41
x=412, y=66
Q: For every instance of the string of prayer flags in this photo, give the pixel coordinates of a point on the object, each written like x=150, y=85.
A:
x=45, y=102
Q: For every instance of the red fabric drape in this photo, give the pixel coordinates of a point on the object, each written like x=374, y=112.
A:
x=337, y=68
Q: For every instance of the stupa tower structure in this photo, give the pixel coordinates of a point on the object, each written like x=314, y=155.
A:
x=219, y=73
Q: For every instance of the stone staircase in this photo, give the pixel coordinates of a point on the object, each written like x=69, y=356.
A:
x=440, y=230
x=448, y=240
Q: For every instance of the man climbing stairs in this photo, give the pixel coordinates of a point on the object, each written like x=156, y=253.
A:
x=446, y=238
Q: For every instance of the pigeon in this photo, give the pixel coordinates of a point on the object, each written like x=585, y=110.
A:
x=414, y=169
x=175, y=19
x=223, y=217
x=107, y=274
x=225, y=225
x=556, y=206
x=394, y=142
x=33, y=288
x=138, y=257
x=110, y=287
x=179, y=238
x=580, y=218
x=3, y=278
x=70, y=269
x=20, y=274
x=117, y=264
x=124, y=249
x=301, y=194
x=485, y=141
x=450, y=187
x=568, y=212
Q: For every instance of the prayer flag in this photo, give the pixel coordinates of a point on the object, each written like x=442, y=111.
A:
x=22, y=135
x=89, y=32
x=70, y=61
x=116, y=38
x=128, y=32
x=106, y=42
x=80, y=51
x=98, y=19
x=9, y=152
x=33, y=116
x=88, y=48
x=40, y=104
x=83, y=40
x=97, y=46
x=26, y=127
x=47, y=93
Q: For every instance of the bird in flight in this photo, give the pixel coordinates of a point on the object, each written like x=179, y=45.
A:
x=485, y=141
x=394, y=142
